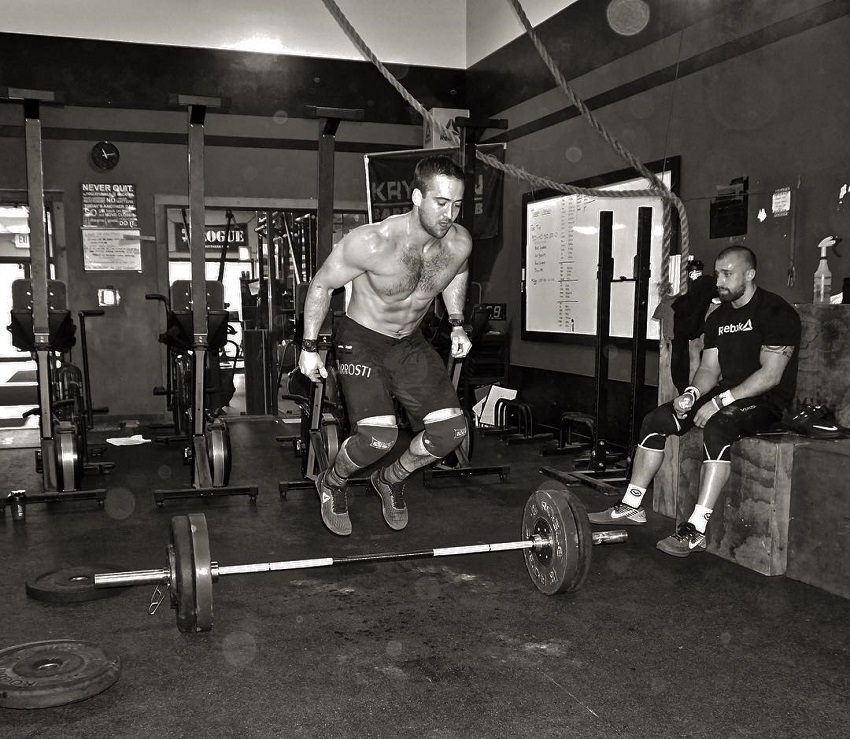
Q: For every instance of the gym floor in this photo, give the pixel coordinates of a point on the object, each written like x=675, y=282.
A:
x=651, y=646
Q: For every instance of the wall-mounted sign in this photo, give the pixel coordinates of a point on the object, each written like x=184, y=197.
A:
x=111, y=250
x=214, y=237
x=780, y=203
x=109, y=205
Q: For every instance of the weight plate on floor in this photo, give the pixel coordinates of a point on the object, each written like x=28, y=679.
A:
x=70, y=585
x=53, y=673
x=183, y=584
x=559, y=567
x=202, y=571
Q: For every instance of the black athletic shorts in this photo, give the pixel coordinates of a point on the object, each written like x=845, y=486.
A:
x=374, y=368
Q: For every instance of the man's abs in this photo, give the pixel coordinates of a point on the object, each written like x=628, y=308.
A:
x=392, y=317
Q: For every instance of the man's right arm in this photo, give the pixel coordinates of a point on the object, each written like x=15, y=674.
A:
x=345, y=262
x=705, y=378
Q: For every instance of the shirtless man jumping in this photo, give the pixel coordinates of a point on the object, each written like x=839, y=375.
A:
x=396, y=268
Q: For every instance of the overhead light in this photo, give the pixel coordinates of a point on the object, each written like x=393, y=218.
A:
x=261, y=43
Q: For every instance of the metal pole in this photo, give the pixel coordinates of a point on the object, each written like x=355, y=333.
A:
x=641, y=309
x=599, y=451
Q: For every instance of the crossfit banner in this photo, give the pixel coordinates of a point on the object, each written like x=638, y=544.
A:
x=390, y=178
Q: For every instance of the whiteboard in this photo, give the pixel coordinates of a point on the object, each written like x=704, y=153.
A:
x=561, y=254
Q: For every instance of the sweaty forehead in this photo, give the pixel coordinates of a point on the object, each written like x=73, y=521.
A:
x=730, y=263
x=446, y=187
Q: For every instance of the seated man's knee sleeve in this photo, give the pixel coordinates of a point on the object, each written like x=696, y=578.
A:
x=370, y=443
x=655, y=428
x=444, y=436
x=718, y=435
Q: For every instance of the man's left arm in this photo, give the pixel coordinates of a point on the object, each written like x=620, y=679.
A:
x=781, y=338
x=454, y=297
x=774, y=359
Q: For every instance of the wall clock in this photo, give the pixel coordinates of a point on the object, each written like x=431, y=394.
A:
x=104, y=155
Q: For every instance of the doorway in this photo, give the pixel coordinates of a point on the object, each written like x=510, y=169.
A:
x=18, y=383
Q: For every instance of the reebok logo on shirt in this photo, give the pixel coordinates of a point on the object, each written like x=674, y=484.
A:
x=734, y=328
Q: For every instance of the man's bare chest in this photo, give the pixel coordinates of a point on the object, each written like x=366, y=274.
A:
x=407, y=273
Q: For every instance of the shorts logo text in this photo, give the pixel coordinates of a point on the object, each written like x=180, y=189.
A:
x=355, y=370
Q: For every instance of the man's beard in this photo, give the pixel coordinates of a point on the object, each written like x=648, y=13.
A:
x=435, y=228
x=727, y=296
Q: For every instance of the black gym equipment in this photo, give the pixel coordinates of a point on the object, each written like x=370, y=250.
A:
x=177, y=369
x=556, y=542
x=198, y=325
x=69, y=585
x=323, y=427
x=459, y=462
x=606, y=470
x=54, y=673
x=41, y=323
x=84, y=405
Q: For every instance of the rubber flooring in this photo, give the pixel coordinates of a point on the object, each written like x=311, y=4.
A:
x=650, y=646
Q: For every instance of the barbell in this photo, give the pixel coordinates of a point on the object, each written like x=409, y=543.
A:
x=557, y=544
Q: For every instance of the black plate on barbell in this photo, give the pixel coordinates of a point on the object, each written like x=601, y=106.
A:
x=552, y=512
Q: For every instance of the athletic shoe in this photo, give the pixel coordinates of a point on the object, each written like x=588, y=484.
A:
x=816, y=422
x=392, y=501
x=620, y=514
x=686, y=540
x=334, y=506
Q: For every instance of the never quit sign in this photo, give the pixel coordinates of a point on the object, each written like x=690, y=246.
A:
x=109, y=206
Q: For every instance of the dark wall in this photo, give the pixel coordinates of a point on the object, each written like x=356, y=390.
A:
x=264, y=149
x=753, y=89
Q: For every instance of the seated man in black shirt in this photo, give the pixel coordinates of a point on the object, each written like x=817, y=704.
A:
x=746, y=378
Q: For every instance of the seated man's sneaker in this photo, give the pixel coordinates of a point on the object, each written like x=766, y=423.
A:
x=334, y=506
x=619, y=514
x=686, y=540
x=392, y=501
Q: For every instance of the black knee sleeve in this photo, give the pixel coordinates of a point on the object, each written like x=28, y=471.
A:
x=718, y=435
x=442, y=437
x=657, y=425
x=369, y=443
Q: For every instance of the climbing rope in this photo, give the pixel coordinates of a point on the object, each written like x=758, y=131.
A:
x=621, y=150
x=658, y=188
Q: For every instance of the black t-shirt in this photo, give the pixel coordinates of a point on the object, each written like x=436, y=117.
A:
x=739, y=334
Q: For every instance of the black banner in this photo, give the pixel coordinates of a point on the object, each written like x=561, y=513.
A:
x=391, y=183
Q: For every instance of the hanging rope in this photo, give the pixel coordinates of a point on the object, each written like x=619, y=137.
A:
x=659, y=189
x=621, y=150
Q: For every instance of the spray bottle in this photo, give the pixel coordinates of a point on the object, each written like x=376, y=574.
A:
x=823, y=277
